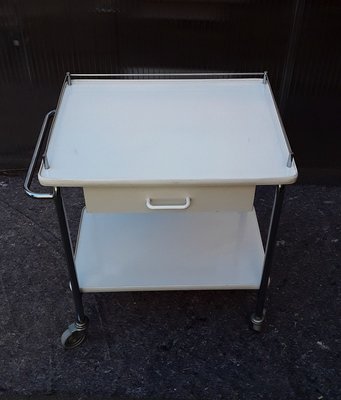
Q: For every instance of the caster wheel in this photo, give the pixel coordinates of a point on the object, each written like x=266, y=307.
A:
x=71, y=339
x=74, y=335
x=257, y=323
x=257, y=327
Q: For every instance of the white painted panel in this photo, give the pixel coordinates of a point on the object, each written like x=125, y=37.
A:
x=169, y=251
x=213, y=131
x=201, y=198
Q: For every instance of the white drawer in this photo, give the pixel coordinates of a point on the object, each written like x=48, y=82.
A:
x=177, y=198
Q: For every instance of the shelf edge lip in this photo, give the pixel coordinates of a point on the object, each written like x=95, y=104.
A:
x=284, y=180
x=169, y=288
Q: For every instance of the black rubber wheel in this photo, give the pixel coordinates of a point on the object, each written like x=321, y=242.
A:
x=256, y=324
x=256, y=327
x=73, y=337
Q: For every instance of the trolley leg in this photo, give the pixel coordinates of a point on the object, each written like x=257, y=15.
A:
x=76, y=332
x=257, y=318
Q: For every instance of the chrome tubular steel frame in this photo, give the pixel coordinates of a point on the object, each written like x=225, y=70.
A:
x=70, y=76
x=34, y=161
x=257, y=318
x=76, y=332
x=68, y=248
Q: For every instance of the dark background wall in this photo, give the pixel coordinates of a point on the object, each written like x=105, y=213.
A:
x=296, y=41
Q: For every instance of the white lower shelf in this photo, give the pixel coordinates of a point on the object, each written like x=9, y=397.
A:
x=169, y=251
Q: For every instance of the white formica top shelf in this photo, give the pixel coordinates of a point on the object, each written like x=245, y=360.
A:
x=171, y=131
x=169, y=251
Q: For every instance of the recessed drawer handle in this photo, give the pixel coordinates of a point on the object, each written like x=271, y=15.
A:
x=168, y=206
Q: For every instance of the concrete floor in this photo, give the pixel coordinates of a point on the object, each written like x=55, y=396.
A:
x=172, y=345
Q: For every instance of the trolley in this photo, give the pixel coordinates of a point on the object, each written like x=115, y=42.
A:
x=169, y=165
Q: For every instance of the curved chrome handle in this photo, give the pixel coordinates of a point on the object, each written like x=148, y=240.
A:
x=168, y=206
x=31, y=168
